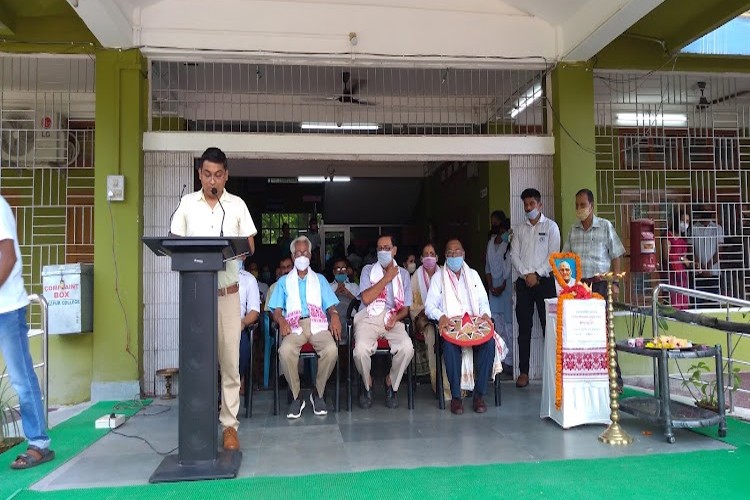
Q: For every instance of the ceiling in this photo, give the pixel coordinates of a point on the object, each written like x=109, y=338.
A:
x=476, y=32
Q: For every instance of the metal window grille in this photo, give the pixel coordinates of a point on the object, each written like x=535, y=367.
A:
x=668, y=143
x=285, y=98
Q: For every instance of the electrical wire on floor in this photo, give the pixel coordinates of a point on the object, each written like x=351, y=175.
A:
x=136, y=404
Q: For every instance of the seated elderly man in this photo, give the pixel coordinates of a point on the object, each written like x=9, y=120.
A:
x=455, y=290
x=345, y=290
x=385, y=289
x=299, y=303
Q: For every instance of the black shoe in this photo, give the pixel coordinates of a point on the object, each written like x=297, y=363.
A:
x=365, y=398
x=318, y=404
x=295, y=408
x=391, y=399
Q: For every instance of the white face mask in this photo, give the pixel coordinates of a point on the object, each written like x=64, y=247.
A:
x=302, y=263
x=684, y=227
x=411, y=267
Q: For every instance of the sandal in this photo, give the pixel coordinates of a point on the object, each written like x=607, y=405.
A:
x=36, y=457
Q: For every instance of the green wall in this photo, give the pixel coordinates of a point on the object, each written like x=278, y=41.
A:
x=573, y=128
x=499, y=186
x=121, y=114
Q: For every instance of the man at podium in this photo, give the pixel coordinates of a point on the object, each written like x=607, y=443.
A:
x=212, y=211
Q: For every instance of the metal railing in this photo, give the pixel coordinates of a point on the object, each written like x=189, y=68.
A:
x=721, y=299
x=44, y=332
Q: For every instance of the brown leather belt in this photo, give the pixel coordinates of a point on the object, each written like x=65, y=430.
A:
x=229, y=290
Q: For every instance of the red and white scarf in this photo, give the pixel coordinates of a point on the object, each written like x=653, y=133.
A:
x=378, y=305
x=318, y=319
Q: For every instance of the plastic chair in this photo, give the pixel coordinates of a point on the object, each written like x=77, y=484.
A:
x=439, y=369
x=306, y=352
x=383, y=348
x=248, y=397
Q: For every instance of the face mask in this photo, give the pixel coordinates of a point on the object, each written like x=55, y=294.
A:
x=495, y=229
x=429, y=263
x=384, y=257
x=411, y=267
x=301, y=263
x=533, y=214
x=454, y=263
x=684, y=227
x=506, y=236
x=254, y=273
x=583, y=213
x=340, y=278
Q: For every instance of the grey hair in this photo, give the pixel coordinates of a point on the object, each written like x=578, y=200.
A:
x=304, y=239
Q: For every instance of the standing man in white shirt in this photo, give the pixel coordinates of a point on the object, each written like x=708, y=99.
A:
x=249, y=314
x=14, y=345
x=212, y=211
x=707, y=235
x=533, y=241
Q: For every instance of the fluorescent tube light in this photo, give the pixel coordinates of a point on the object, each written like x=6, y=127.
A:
x=320, y=178
x=527, y=99
x=336, y=126
x=648, y=119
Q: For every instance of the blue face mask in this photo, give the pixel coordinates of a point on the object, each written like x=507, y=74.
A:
x=385, y=258
x=506, y=236
x=454, y=263
x=340, y=277
x=533, y=214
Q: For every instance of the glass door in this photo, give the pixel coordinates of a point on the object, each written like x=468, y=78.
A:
x=334, y=240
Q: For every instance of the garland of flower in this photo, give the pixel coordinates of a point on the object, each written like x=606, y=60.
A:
x=577, y=291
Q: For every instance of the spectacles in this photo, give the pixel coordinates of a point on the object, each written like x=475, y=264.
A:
x=385, y=249
x=454, y=253
x=218, y=175
x=306, y=253
x=339, y=268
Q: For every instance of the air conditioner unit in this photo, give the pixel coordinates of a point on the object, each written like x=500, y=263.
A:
x=33, y=138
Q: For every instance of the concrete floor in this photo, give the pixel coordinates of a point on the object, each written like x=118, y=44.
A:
x=362, y=440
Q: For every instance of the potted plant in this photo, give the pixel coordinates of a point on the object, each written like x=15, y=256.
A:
x=8, y=422
x=706, y=390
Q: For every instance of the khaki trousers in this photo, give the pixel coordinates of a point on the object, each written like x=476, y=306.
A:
x=323, y=343
x=230, y=330
x=367, y=331
x=429, y=339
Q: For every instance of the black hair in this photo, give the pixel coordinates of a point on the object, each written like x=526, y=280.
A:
x=286, y=257
x=499, y=215
x=214, y=155
x=387, y=235
x=531, y=193
x=589, y=194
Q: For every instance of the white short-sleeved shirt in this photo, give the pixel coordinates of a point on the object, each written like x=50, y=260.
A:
x=249, y=293
x=195, y=217
x=13, y=294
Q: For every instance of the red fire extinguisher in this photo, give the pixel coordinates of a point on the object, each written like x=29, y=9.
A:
x=642, y=246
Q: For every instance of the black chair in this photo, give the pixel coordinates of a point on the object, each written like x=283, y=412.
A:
x=248, y=397
x=306, y=352
x=439, y=369
x=383, y=348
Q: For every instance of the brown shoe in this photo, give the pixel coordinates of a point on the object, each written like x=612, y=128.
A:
x=231, y=441
x=479, y=406
x=522, y=380
x=457, y=407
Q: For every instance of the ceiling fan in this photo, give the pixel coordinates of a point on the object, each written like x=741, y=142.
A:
x=350, y=91
x=704, y=103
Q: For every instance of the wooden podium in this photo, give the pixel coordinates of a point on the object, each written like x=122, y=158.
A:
x=198, y=259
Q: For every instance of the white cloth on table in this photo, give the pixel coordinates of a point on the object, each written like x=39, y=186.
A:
x=585, y=394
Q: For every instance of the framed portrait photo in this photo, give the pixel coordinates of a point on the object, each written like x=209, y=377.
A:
x=566, y=267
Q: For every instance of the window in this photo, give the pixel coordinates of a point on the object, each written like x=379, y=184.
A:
x=271, y=226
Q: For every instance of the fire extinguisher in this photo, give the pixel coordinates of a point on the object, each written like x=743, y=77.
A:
x=642, y=246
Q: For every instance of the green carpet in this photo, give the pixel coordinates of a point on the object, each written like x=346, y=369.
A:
x=705, y=474
x=68, y=439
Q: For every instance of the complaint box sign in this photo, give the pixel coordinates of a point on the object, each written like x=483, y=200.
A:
x=64, y=303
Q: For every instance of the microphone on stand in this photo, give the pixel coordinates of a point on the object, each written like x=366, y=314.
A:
x=223, y=212
x=169, y=231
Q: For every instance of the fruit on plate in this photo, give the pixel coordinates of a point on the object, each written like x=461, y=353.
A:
x=668, y=342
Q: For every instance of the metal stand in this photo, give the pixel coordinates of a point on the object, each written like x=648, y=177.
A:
x=614, y=434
